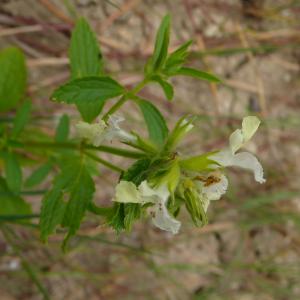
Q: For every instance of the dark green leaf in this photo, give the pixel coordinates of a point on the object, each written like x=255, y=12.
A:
x=85, y=55
x=161, y=44
x=157, y=128
x=197, y=74
x=13, y=172
x=88, y=90
x=11, y=204
x=22, y=118
x=38, y=175
x=62, y=130
x=166, y=86
x=12, y=78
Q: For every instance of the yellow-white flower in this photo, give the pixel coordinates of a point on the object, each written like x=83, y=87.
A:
x=93, y=133
x=99, y=132
x=228, y=157
x=127, y=192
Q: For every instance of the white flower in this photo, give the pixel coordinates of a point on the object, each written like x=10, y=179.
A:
x=98, y=132
x=212, y=187
x=93, y=133
x=127, y=192
x=114, y=130
x=228, y=157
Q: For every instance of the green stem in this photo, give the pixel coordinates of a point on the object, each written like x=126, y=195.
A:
x=104, y=162
x=124, y=98
x=68, y=145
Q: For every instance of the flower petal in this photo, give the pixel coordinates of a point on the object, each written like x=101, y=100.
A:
x=160, y=215
x=94, y=133
x=243, y=160
x=249, y=126
x=215, y=190
x=127, y=192
x=114, y=130
x=236, y=140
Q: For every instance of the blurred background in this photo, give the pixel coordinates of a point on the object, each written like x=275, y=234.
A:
x=251, y=247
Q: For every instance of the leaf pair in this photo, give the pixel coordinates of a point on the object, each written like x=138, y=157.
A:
x=89, y=88
x=161, y=66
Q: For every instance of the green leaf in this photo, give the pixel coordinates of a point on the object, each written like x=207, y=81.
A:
x=89, y=111
x=38, y=175
x=166, y=86
x=86, y=60
x=13, y=172
x=161, y=44
x=62, y=130
x=157, y=128
x=88, y=90
x=84, y=52
x=11, y=204
x=197, y=163
x=197, y=74
x=22, y=118
x=177, y=58
x=81, y=194
x=67, y=200
x=12, y=78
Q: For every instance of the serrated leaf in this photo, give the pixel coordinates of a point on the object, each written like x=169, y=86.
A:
x=38, y=175
x=11, y=204
x=157, y=128
x=81, y=194
x=21, y=119
x=86, y=60
x=161, y=44
x=84, y=52
x=12, y=78
x=166, y=86
x=13, y=172
x=88, y=90
x=62, y=129
x=74, y=185
x=197, y=74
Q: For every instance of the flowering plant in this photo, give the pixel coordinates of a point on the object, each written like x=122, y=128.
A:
x=157, y=184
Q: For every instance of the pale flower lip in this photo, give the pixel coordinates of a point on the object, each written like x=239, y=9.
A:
x=99, y=132
x=127, y=192
x=228, y=157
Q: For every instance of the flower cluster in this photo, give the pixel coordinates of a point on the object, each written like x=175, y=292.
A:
x=170, y=181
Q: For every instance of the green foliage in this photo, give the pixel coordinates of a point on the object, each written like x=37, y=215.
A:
x=165, y=85
x=11, y=204
x=86, y=60
x=197, y=163
x=22, y=118
x=13, y=172
x=197, y=74
x=156, y=124
x=75, y=184
x=84, y=52
x=161, y=46
x=88, y=90
x=13, y=78
x=63, y=129
x=39, y=175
